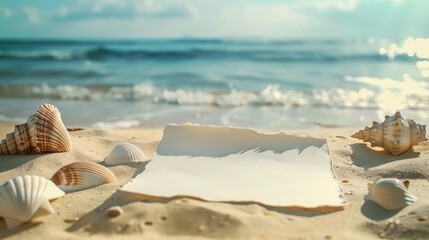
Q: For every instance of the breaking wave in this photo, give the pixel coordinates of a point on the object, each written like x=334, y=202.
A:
x=271, y=95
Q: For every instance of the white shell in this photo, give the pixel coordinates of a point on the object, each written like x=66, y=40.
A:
x=390, y=193
x=23, y=197
x=125, y=153
x=82, y=175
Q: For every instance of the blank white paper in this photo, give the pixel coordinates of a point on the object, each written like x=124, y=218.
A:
x=241, y=165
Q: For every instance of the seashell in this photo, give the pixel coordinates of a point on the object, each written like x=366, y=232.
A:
x=25, y=197
x=114, y=211
x=395, y=134
x=43, y=132
x=390, y=193
x=82, y=175
x=125, y=153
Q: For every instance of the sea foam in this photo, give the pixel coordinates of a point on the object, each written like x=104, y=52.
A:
x=378, y=94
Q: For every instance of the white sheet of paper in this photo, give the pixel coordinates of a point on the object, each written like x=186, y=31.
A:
x=241, y=165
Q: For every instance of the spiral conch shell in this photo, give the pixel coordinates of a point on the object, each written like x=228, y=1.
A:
x=82, y=175
x=395, y=134
x=25, y=197
x=390, y=193
x=43, y=132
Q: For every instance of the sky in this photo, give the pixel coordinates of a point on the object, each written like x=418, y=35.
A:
x=265, y=19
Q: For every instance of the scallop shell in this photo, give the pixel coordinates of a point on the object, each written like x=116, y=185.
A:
x=25, y=197
x=395, y=134
x=125, y=153
x=390, y=193
x=43, y=132
x=82, y=175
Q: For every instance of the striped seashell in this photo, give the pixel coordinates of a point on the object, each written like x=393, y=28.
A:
x=43, y=132
x=82, y=175
x=390, y=193
x=125, y=153
x=25, y=197
x=395, y=134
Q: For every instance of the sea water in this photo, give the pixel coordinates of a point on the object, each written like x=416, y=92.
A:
x=276, y=84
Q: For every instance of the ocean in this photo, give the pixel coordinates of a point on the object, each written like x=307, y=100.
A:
x=269, y=84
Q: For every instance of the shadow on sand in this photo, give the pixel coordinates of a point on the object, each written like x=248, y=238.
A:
x=375, y=212
x=96, y=220
x=5, y=233
x=13, y=161
x=366, y=157
x=138, y=166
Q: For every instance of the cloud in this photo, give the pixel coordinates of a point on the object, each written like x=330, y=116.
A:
x=166, y=9
x=63, y=11
x=131, y=9
x=397, y=19
x=99, y=5
x=32, y=14
x=339, y=5
x=396, y=2
x=268, y=20
x=6, y=12
x=346, y=5
x=326, y=5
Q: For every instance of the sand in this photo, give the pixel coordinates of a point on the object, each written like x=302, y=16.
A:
x=81, y=215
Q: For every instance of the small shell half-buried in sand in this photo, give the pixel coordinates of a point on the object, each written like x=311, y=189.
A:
x=125, y=153
x=25, y=197
x=390, y=193
x=43, y=132
x=82, y=175
x=395, y=134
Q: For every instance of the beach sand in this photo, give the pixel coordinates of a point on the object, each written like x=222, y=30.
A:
x=81, y=215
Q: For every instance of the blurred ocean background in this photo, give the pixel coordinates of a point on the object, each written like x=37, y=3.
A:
x=276, y=84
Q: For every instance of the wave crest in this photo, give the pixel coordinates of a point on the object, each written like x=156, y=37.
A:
x=271, y=95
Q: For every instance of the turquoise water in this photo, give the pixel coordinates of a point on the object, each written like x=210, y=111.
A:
x=252, y=83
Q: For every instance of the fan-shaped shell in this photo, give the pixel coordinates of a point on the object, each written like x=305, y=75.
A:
x=43, y=132
x=23, y=197
x=125, y=153
x=395, y=134
x=82, y=175
x=390, y=193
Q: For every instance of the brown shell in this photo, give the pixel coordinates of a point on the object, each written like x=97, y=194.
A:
x=43, y=132
x=114, y=211
x=395, y=134
x=82, y=175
